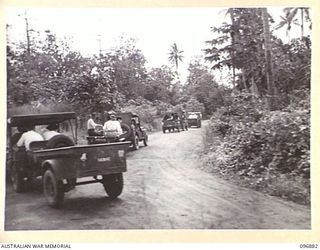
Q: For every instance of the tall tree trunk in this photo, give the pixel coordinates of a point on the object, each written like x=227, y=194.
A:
x=302, y=21
x=176, y=61
x=268, y=55
x=233, y=40
x=27, y=32
x=244, y=80
x=246, y=84
x=254, y=88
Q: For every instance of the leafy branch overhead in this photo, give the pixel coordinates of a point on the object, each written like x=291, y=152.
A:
x=240, y=45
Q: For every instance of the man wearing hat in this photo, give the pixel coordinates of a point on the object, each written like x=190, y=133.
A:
x=112, y=127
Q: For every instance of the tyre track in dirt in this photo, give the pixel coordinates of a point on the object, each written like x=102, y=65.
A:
x=164, y=188
x=195, y=199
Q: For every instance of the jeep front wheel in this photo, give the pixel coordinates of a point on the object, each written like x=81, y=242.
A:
x=113, y=184
x=136, y=142
x=52, y=189
x=17, y=180
x=145, y=140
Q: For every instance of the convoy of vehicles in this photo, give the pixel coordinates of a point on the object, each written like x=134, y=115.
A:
x=63, y=165
x=176, y=121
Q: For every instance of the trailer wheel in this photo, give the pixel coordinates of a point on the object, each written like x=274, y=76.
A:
x=17, y=180
x=113, y=184
x=52, y=189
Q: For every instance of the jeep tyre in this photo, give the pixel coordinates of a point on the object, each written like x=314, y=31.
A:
x=113, y=184
x=52, y=189
x=127, y=130
x=136, y=142
x=59, y=141
x=17, y=179
x=145, y=140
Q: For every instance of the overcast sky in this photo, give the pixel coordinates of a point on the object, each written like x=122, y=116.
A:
x=155, y=29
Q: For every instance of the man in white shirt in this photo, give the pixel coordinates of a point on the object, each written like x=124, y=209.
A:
x=91, y=125
x=29, y=137
x=112, y=127
x=50, y=132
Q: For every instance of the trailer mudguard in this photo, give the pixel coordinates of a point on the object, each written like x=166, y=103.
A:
x=63, y=168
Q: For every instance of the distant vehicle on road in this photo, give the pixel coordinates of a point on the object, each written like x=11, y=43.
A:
x=60, y=162
x=194, y=119
x=134, y=132
x=131, y=126
x=171, y=122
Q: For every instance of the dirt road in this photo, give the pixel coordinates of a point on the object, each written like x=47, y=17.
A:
x=164, y=189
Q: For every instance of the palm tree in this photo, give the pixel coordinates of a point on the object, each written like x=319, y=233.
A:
x=290, y=18
x=175, y=55
x=27, y=30
x=268, y=58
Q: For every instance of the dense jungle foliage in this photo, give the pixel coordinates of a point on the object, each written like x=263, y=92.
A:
x=259, y=122
x=260, y=137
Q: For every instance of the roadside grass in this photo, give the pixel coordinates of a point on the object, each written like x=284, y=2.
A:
x=286, y=186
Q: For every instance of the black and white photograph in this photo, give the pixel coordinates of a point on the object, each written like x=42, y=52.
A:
x=158, y=118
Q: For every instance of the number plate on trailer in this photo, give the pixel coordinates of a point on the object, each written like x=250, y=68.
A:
x=103, y=159
x=121, y=153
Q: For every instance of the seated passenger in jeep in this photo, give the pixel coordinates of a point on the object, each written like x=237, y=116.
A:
x=50, y=131
x=16, y=137
x=29, y=137
x=91, y=125
x=112, y=128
